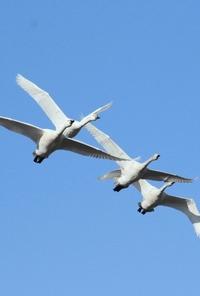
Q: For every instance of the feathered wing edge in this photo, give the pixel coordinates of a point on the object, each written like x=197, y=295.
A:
x=186, y=206
x=44, y=100
x=85, y=149
x=165, y=176
x=110, y=175
x=196, y=219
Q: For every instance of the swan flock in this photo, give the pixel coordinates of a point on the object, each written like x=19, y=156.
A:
x=131, y=172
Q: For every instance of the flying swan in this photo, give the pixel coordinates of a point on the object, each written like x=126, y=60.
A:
x=153, y=197
x=48, y=141
x=52, y=110
x=130, y=171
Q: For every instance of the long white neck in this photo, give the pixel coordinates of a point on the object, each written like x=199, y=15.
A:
x=165, y=186
x=143, y=185
x=152, y=158
x=62, y=130
x=85, y=120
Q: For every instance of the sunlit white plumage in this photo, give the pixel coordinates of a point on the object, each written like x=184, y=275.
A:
x=52, y=110
x=153, y=197
x=49, y=141
x=132, y=170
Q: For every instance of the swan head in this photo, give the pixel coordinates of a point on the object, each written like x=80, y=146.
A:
x=66, y=125
x=155, y=156
x=167, y=184
x=94, y=117
x=69, y=123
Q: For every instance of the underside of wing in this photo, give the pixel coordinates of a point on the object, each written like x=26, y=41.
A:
x=107, y=143
x=28, y=130
x=111, y=175
x=185, y=205
x=142, y=185
x=44, y=100
x=163, y=176
x=103, y=108
x=84, y=149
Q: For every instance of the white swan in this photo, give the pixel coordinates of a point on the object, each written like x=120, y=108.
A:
x=132, y=170
x=153, y=197
x=49, y=141
x=52, y=110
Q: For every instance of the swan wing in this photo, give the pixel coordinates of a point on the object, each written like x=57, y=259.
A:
x=102, y=109
x=94, y=115
x=143, y=186
x=44, y=100
x=28, y=130
x=84, y=149
x=111, y=175
x=164, y=176
x=187, y=206
x=107, y=143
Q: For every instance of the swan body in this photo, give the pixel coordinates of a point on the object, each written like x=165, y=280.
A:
x=48, y=141
x=52, y=110
x=153, y=197
x=131, y=170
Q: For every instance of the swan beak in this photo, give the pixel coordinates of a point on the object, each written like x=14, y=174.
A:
x=71, y=122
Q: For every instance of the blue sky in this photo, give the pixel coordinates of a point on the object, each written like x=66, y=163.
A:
x=63, y=232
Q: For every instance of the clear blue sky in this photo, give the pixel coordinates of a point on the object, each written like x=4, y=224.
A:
x=63, y=232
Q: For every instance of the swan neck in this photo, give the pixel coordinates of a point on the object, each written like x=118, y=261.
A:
x=62, y=131
x=85, y=121
x=147, y=162
x=164, y=187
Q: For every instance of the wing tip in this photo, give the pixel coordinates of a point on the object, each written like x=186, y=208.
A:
x=197, y=229
x=178, y=179
x=19, y=77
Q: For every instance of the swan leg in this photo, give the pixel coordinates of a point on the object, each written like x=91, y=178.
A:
x=140, y=209
x=118, y=188
x=143, y=212
x=38, y=159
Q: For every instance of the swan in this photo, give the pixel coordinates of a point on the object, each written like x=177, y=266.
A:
x=153, y=197
x=48, y=140
x=52, y=110
x=131, y=170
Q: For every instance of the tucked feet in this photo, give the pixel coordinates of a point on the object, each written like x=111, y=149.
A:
x=140, y=209
x=38, y=159
x=118, y=188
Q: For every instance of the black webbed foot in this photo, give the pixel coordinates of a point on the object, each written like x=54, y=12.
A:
x=38, y=159
x=118, y=188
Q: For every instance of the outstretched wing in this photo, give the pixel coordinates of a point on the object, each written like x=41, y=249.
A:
x=107, y=143
x=164, y=176
x=84, y=149
x=44, y=100
x=187, y=206
x=102, y=109
x=111, y=175
x=28, y=130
